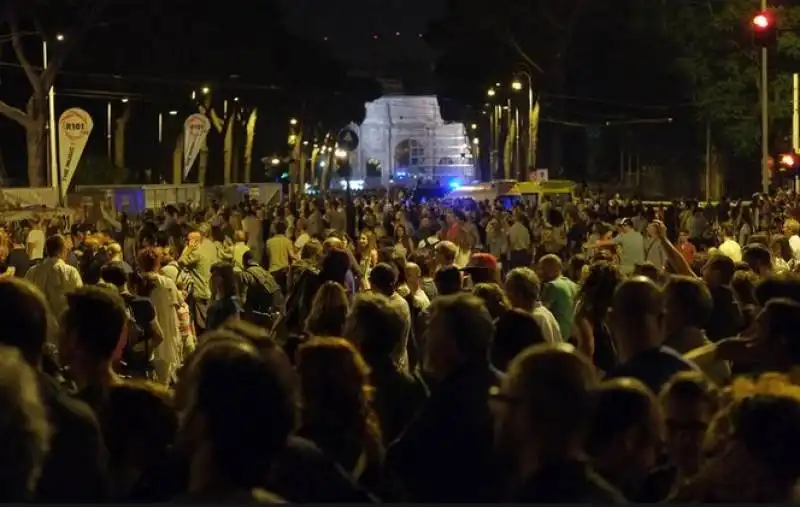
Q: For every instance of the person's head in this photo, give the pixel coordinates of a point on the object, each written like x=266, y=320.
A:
x=445, y=253
x=114, y=274
x=648, y=270
x=148, y=260
x=237, y=409
x=483, y=268
x=752, y=446
x=366, y=241
x=683, y=237
x=515, y=331
x=376, y=328
x=382, y=279
x=335, y=266
x=744, y=288
x=574, y=270
x=328, y=311
x=330, y=244
x=413, y=276
x=549, y=268
x=55, y=247
x=791, y=227
x=626, y=434
x=625, y=225
x=139, y=425
x=759, y=258
x=460, y=332
x=719, y=270
x=26, y=318
x=91, y=328
x=776, y=331
x=688, y=303
x=448, y=280
x=280, y=227
x=494, y=298
x=335, y=389
x=239, y=236
x=689, y=400
x=522, y=288
x=311, y=251
x=544, y=407
x=399, y=232
x=24, y=427
x=637, y=316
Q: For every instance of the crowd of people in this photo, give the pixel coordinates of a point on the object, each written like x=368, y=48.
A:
x=590, y=350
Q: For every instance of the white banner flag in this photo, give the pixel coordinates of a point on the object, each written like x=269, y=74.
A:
x=74, y=127
x=195, y=130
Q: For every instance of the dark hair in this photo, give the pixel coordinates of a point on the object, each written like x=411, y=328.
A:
x=25, y=317
x=225, y=271
x=693, y=297
x=114, y=274
x=147, y=259
x=335, y=266
x=448, y=281
x=280, y=227
x=776, y=287
x=383, y=278
x=97, y=318
x=376, y=327
x=248, y=404
x=54, y=245
x=619, y=407
x=514, y=331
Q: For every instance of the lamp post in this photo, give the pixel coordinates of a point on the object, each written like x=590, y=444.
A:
x=494, y=136
x=53, y=169
x=517, y=86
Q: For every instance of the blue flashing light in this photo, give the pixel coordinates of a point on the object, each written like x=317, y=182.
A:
x=454, y=184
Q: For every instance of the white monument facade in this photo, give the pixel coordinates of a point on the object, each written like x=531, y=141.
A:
x=404, y=138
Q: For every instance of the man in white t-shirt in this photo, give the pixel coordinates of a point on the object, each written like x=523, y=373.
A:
x=791, y=229
x=522, y=288
x=35, y=241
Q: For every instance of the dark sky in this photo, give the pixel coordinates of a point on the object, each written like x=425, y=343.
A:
x=350, y=26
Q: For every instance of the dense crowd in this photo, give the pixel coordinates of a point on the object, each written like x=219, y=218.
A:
x=597, y=349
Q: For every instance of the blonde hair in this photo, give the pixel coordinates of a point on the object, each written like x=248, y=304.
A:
x=328, y=310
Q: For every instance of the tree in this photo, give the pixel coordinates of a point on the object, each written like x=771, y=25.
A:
x=720, y=67
x=32, y=117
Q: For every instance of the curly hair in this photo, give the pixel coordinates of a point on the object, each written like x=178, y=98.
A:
x=595, y=295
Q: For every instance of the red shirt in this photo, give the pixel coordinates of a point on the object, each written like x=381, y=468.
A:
x=688, y=250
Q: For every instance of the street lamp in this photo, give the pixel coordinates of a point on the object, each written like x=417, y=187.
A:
x=293, y=121
x=491, y=92
x=173, y=113
x=55, y=176
x=206, y=90
x=275, y=161
x=340, y=154
x=474, y=126
x=476, y=141
x=530, y=159
x=124, y=100
x=516, y=85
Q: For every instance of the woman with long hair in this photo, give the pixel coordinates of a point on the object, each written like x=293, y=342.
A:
x=336, y=408
x=590, y=330
x=366, y=253
x=328, y=311
x=404, y=245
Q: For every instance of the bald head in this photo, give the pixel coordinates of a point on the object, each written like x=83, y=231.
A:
x=638, y=295
x=550, y=267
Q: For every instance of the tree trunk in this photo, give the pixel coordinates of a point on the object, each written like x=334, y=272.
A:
x=248, y=147
x=120, y=125
x=36, y=150
x=227, y=150
x=177, y=160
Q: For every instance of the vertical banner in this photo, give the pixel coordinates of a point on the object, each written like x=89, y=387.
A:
x=195, y=130
x=74, y=127
x=533, y=133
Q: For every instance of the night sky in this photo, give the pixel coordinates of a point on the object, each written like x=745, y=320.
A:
x=350, y=27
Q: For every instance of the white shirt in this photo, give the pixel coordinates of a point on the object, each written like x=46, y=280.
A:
x=794, y=243
x=168, y=356
x=36, y=236
x=548, y=324
x=55, y=278
x=730, y=248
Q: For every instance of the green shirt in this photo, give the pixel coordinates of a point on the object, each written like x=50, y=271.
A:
x=559, y=297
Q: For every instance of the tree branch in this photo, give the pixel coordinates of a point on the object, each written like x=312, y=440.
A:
x=14, y=113
x=88, y=15
x=512, y=41
x=16, y=43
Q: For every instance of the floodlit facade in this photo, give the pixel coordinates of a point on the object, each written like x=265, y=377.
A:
x=404, y=138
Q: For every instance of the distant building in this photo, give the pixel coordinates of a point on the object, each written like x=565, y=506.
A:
x=404, y=139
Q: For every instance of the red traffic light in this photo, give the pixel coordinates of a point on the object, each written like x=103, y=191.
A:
x=762, y=21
